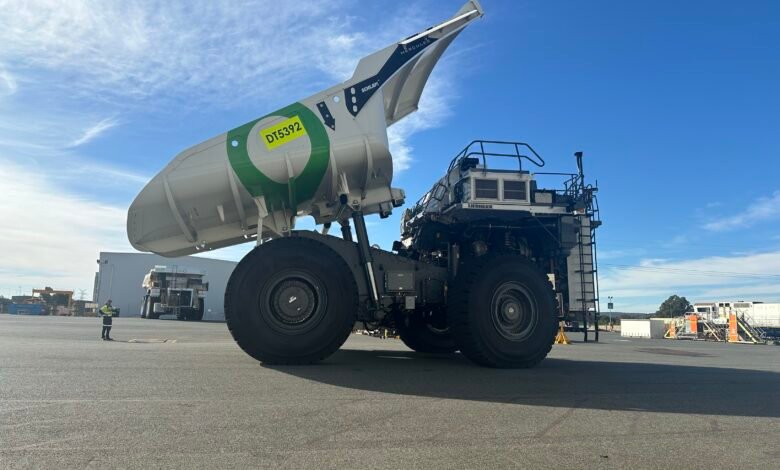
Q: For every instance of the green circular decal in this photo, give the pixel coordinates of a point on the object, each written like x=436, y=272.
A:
x=299, y=188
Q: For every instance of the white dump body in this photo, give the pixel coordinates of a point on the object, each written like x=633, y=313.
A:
x=183, y=270
x=303, y=159
x=175, y=277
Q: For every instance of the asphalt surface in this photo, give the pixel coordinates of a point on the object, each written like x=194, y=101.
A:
x=69, y=400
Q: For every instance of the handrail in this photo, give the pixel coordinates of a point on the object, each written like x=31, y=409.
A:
x=467, y=152
x=574, y=184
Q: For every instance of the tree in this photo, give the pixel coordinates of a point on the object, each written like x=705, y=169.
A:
x=674, y=306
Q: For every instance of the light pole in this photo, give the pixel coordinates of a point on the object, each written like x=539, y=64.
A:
x=610, y=305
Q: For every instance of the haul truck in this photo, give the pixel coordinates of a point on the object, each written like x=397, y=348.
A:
x=176, y=291
x=486, y=263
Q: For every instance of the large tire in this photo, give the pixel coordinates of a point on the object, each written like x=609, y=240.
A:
x=502, y=312
x=145, y=307
x=150, y=313
x=197, y=314
x=292, y=300
x=425, y=331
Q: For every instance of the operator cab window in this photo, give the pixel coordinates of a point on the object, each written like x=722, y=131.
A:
x=514, y=190
x=485, y=189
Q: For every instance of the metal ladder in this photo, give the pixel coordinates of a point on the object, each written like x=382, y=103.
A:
x=754, y=334
x=588, y=269
x=712, y=330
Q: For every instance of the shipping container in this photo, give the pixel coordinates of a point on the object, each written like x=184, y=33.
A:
x=765, y=315
x=27, y=309
x=651, y=329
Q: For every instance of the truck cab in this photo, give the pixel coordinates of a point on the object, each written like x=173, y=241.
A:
x=174, y=290
x=490, y=199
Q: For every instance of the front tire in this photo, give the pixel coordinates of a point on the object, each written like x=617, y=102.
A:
x=502, y=312
x=150, y=313
x=197, y=314
x=292, y=300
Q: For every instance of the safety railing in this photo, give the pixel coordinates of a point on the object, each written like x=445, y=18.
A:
x=482, y=149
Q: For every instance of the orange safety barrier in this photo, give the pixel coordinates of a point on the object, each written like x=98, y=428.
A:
x=693, y=324
x=733, y=328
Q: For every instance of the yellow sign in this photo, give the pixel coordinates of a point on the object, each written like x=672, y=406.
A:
x=283, y=133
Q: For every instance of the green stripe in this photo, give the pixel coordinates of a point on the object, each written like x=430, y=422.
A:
x=298, y=188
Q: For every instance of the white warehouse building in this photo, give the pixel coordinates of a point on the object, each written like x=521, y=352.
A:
x=120, y=275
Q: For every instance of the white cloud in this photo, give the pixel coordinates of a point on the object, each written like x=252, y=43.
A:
x=214, y=52
x=8, y=84
x=646, y=285
x=767, y=291
x=94, y=131
x=39, y=133
x=764, y=208
x=49, y=236
x=434, y=108
x=150, y=52
x=604, y=255
x=65, y=66
x=45, y=142
x=138, y=49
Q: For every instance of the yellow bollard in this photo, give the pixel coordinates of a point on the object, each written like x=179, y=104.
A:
x=561, y=337
x=671, y=333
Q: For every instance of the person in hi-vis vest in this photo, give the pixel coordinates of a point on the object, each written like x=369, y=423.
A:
x=107, y=312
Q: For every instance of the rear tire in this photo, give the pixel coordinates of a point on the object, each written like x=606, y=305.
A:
x=425, y=332
x=502, y=312
x=292, y=300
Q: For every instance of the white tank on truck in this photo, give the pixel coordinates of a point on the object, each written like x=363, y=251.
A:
x=174, y=290
x=487, y=261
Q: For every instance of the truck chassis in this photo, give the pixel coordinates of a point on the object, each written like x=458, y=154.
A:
x=487, y=264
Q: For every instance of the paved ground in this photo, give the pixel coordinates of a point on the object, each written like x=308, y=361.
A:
x=69, y=400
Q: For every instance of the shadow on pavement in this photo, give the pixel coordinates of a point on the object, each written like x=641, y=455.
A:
x=660, y=388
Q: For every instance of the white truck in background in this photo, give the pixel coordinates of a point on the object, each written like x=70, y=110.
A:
x=174, y=290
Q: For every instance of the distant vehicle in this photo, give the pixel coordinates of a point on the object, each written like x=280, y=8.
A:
x=174, y=291
x=56, y=301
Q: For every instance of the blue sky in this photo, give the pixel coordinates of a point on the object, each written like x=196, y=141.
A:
x=674, y=104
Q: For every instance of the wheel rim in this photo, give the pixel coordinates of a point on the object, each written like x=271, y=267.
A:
x=514, y=311
x=295, y=302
